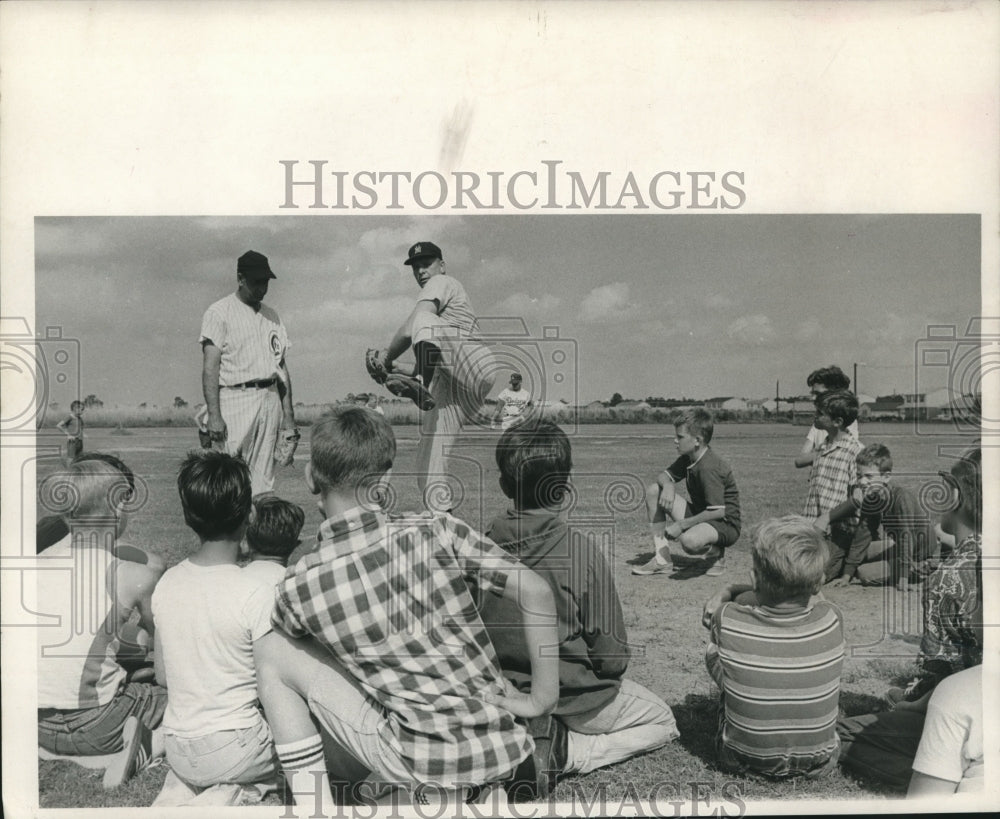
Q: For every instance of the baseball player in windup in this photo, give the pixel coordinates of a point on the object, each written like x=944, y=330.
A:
x=454, y=372
x=245, y=379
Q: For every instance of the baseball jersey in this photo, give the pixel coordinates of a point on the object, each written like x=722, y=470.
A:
x=452, y=303
x=253, y=342
x=514, y=402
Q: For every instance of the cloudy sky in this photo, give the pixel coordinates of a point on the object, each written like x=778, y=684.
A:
x=665, y=305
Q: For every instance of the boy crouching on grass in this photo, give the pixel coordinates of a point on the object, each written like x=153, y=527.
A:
x=896, y=529
x=709, y=522
x=609, y=718
x=777, y=658
x=210, y=614
x=398, y=667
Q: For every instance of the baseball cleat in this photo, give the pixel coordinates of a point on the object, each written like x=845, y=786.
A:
x=404, y=386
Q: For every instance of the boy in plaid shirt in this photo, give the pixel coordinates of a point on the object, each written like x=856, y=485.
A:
x=830, y=477
x=400, y=670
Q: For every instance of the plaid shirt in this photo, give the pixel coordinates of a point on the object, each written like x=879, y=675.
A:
x=390, y=598
x=830, y=478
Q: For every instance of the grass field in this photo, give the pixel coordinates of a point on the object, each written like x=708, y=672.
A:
x=662, y=613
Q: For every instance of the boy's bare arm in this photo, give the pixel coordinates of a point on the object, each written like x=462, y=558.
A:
x=724, y=595
x=538, y=611
x=159, y=669
x=806, y=456
x=135, y=590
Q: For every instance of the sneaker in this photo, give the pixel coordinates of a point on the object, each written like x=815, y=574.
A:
x=404, y=386
x=719, y=566
x=654, y=566
x=137, y=740
x=536, y=776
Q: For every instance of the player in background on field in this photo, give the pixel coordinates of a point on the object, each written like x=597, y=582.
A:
x=245, y=378
x=778, y=658
x=826, y=379
x=378, y=636
x=210, y=614
x=72, y=428
x=87, y=706
x=709, y=521
x=272, y=536
x=512, y=402
x=610, y=718
x=833, y=470
x=897, y=529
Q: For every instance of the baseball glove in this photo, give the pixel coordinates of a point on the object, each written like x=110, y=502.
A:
x=287, y=443
x=375, y=366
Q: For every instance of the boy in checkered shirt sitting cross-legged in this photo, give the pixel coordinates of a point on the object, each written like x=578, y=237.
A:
x=397, y=665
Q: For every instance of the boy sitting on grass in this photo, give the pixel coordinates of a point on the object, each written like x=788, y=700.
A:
x=398, y=667
x=87, y=707
x=709, y=522
x=210, y=614
x=778, y=658
x=272, y=536
x=830, y=476
x=609, y=718
x=907, y=540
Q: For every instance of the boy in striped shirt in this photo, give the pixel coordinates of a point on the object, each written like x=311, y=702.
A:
x=777, y=657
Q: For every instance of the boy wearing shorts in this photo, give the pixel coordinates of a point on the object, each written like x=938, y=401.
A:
x=209, y=616
x=707, y=523
x=87, y=707
x=397, y=665
x=610, y=718
x=778, y=659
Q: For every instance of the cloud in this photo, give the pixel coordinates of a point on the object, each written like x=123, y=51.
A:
x=808, y=329
x=525, y=305
x=755, y=329
x=610, y=302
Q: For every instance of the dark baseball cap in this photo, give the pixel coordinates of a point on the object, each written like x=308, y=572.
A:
x=423, y=250
x=254, y=262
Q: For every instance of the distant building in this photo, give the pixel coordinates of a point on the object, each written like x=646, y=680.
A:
x=725, y=403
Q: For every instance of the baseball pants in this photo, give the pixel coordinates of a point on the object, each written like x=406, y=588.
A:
x=253, y=418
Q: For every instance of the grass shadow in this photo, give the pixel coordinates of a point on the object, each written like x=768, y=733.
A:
x=852, y=704
x=697, y=720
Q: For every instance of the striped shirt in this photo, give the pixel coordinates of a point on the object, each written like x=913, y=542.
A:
x=253, y=342
x=833, y=471
x=391, y=598
x=779, y=670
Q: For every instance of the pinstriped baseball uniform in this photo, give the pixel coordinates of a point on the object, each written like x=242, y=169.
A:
x=253, y=345
x=461, y=382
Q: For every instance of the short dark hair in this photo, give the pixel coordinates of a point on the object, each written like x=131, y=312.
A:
x=111, y=460
x=74, y=404
x=534, y=464
x=275, y=526
x=875, y=455
x=215, y=492
x=789, y=558
x=840, y=405
x=699, y=422
x=349, y=447
x=832, y=377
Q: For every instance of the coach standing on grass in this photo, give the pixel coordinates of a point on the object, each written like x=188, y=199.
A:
x=245, y=379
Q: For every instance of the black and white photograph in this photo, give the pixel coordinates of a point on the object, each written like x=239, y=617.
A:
x=527, y=409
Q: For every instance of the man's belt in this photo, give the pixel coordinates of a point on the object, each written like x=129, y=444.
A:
x=256, y=384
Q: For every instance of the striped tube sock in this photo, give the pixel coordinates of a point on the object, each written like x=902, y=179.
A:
x=305, y=757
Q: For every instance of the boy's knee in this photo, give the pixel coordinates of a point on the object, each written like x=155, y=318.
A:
x=698, y=540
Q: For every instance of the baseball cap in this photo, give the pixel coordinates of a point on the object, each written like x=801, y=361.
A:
x=254, y=262
x=423, y=250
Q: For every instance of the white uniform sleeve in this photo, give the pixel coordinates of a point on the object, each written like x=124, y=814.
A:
x=440, y=289
x=213, y=328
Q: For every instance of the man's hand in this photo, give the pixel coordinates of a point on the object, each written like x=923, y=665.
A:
x=217, y=427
